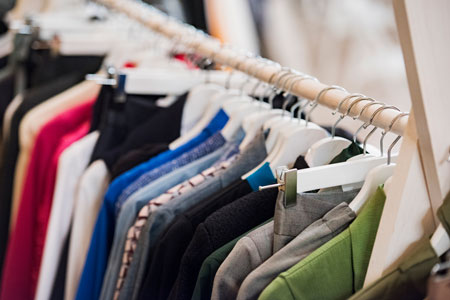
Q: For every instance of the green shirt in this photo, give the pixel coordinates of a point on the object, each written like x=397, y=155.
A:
x=205, y=279
x=409, y=279
x=338, y=268
x=347, y=153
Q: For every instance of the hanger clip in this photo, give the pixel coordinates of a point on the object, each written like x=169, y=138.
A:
x=287, y=182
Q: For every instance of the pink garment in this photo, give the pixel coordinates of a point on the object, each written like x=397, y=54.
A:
x=26, y=243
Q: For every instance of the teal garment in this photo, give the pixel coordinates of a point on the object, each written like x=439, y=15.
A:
x=338, y=268
x=261, y=177
x=352, y=150
x=205, y=279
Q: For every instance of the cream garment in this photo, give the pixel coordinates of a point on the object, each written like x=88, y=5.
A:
x=71, y=165
x=88, y=199
x=7, y=118
x=32, y=123
x=9, y=113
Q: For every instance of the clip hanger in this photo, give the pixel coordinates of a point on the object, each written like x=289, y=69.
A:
x=287, y=182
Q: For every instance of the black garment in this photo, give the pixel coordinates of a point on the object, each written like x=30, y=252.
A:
x=59, y=283
x=194, y=11
x=137, y=156
x=165, y=261
x=101, y=106
x=131, y=130
x=64, y=79
x=219, y=228
x=6, y=96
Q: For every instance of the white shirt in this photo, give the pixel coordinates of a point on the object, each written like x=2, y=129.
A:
x=89, y=198
x=71, y=165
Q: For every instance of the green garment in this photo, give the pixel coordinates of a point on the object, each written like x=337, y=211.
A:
x=205, y=279
x=409, y=279
x=347, y=153
x=337, y=269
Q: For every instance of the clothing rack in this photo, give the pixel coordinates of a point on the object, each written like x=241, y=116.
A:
x=262, y=69
x=422, y=175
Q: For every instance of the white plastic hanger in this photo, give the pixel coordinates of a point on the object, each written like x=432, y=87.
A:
x=325, y=150
x=377, y=176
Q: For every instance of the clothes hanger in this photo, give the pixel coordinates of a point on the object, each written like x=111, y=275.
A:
x=344, y=173
x=254, y=122
x=377, y=175
x=296, y=141
x=365, y=126
x=289, y=126
x=325, y=150
x=195, y=111
x=318, y=155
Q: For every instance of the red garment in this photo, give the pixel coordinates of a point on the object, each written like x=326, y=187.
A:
x=26, y=243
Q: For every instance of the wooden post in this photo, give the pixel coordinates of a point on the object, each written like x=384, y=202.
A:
x=424, y=30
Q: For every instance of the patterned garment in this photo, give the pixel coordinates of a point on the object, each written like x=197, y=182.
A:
x=146, y=211
x=210, y=145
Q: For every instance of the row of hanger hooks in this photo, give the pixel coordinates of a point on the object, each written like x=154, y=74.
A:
x=277, y=78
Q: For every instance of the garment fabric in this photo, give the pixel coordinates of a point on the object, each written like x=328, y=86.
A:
x=95, y=265
x=88, y=200
x=219, y=228
x=210, y=145
x=158, y=222
x=163, y=126
x=26, y=244
x=135, y=157
x=134, y=205
x=409, y=279
x=258, y=246
x=11, y=150
x=162, y=267
x=33, y=122
x=352, y=150
x=71, y=165
x=336, y=269
x=208, y=270
x=314, y=236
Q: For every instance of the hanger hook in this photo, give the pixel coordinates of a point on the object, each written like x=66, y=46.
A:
x=296, y=79
x=317, y=99
x=264, y=62
x=378, y=110
x=236, y=67
x=270, y=84
x=250, y=73
x=275, y=90
x=365, y=124
x=338, y=108
x=384, y=132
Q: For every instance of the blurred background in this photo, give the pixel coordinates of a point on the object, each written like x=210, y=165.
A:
x=349, y=43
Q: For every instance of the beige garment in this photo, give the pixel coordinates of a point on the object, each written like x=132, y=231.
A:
x=88, y=200
x=32, y=123
x=9, y=113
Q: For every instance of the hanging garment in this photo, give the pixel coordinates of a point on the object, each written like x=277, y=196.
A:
x=337, y=269
x=71, y=165
x=314, y=236
x=162, y=217
x=219, y=228
x=135, y=157
x=409, y=279
x=438, y=287
x=95, y=265
x=89, y=197
x=259, y=245
x=33, y=122
x=26, y=244
x=162, y=266
x=11, y=150
x=205, y=279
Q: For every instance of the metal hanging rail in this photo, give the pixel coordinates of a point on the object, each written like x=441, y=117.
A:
x=267, y=71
